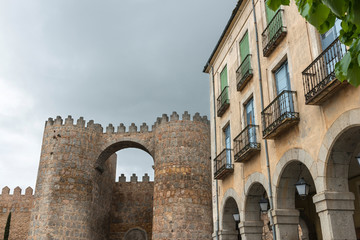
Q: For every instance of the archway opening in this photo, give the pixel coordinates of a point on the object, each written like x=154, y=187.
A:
x=131, y=208
x=231, y=219
x=343, y=170
x=254, y=213
x=300, y=207
x=134, y=161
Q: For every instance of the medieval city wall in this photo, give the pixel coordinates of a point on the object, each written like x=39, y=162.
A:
x=20, y=207
x=131, y=206
x=76, y=191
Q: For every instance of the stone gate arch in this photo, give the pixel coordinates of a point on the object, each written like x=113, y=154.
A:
x=74, y=180
x=114, y=142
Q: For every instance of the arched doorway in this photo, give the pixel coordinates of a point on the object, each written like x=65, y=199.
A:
x=230, y=220
x=343, y=186
x=295, y=216
x=131, y=212
x=136, y=234
x=255, y=223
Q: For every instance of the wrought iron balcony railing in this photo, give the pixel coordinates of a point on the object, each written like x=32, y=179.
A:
x=222, y=164
x=279, y=114
x=273, y=33
x=246, y=144
x=244, y=73
x=223, y=101
x=319, y=77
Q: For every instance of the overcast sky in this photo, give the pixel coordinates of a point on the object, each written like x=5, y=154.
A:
x=110, y=61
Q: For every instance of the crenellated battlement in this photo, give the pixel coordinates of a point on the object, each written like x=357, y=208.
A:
x=17, y=192
x=110, y=129
x=134, y=178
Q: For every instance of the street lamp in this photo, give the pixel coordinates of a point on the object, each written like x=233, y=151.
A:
x=358, y=158
x=264, y=205
x=302, y=187
x=236, y=217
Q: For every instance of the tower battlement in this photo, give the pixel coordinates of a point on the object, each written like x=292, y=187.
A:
x=121, y=128
x=17, y=192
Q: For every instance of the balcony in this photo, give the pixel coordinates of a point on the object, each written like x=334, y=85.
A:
x=279, y=115
x=319, y=77
x=246, y=144
x=244, y=73
x=273, y=33
x=222, y=164
x=223, y=102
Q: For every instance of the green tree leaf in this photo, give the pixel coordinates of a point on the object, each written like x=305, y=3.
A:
x=342, y=66
x=338, y=7
x=275, y=4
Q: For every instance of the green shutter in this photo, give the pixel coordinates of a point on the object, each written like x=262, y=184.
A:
x=244, y=47
x=223, y=78
x=269, y=13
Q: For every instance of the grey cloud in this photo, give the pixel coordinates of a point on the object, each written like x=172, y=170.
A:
x=111, y=61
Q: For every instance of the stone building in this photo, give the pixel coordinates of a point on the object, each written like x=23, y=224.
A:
x=76, y=196
x=278, y=116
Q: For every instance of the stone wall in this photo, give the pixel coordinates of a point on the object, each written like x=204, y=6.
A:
x=74, y=188
x=131, y=207
x=72, y=200
x=182, y=191
x=20, y=207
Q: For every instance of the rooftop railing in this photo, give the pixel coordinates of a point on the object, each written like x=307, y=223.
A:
x=244, y=73
x=319, y=77
x=246, y=143
x=279, y=114
x=222, y=164
x=223, y=101
x=273, y=33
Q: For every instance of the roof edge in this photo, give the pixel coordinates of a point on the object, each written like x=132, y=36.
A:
x=223, y=34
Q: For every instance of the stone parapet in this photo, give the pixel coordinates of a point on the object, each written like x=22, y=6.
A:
x=20, y=207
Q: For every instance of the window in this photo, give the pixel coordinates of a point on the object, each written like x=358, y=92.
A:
x=250, y=120
x=244, y=47
x=223, y=101
x=244, y=72
x=223, y=78
x=330, y=36
x=269, y=13
x=282, y=88
x=227, y=144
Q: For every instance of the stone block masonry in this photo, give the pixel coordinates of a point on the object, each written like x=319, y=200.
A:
x=131, y=207
x=76, y=197
x=20, y=207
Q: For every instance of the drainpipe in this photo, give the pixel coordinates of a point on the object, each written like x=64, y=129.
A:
x=215, y=153
x=262, y=108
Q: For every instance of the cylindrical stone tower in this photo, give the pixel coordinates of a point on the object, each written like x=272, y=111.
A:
x=72, y=200
x=182, y=188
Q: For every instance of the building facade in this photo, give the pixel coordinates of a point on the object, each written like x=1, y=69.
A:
x=279, y=117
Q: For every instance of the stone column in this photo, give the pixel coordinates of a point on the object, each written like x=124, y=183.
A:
x=286, y=223
x=251, y=230
x=336, y=211
x=228, y=235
